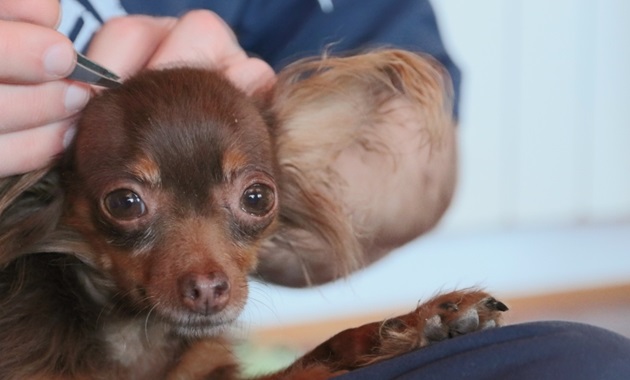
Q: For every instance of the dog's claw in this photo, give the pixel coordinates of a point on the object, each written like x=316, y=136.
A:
x=493, y=304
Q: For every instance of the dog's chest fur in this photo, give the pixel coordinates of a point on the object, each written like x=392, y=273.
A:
x=140, y=349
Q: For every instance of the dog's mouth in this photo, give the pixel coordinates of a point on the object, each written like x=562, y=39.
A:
x=201, y=330
x=197, y=325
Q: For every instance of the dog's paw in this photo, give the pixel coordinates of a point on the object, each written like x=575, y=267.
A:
x=458, y=313
x=443, y=317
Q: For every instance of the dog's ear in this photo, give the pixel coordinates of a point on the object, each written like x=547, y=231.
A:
x=341, y=127
x=30, y=207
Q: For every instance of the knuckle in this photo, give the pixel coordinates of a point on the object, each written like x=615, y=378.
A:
x=202, y=16
x=261, y=67
x=206, y=22
x=134, y=27
x=123, y=26
x=251, y=75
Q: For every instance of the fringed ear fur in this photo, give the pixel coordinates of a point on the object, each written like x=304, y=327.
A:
x=342, y=127
x=30, y=207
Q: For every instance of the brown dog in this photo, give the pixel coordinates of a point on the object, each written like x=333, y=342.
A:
x=129, y=256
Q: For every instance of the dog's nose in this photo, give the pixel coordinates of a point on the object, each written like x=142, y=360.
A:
x=205, y=293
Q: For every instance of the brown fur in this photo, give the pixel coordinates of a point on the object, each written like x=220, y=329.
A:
x=332, y=163
x=99, y=285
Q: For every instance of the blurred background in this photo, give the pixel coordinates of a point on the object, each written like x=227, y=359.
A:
x=542, y=214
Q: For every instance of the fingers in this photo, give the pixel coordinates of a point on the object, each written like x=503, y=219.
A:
x=33, y=57
x=200, y=39
x=126, y=44
x=32, y=53
x=203, y=39
x=251, y=75
x=31, y=149
x=48, y=12
x=39, y=104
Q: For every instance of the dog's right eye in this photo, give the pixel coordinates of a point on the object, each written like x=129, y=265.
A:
x=258, y=200
x=125, y=204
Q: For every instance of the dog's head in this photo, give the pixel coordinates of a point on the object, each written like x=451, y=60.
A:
x=171, y=182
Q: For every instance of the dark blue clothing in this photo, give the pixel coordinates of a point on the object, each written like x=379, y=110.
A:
x=281, y=31
x=539, y=351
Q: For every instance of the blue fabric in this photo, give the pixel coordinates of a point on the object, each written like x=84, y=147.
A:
x=541, y=350
x=281, y=31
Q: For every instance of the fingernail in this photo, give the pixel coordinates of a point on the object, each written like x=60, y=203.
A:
x=76, y=98
x=59, y=60
x=68, y=137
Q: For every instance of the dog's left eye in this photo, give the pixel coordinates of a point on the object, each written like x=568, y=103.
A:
x=125, y=204
x=258, y=199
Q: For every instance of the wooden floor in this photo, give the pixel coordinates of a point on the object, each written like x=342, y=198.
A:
x=605, y=307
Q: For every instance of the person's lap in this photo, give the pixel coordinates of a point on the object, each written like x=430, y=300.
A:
x=540, y=350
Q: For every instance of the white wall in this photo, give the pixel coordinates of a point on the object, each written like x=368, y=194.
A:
x=545, y=123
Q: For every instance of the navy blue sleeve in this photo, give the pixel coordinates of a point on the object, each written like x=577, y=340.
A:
x=281, y=31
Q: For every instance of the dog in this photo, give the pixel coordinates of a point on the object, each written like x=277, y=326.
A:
x=129, y=256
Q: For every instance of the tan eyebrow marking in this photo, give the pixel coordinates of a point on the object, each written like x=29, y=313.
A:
x=146, y=170
x=233, y=161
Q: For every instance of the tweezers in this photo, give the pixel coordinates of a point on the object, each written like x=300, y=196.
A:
x=88, y=71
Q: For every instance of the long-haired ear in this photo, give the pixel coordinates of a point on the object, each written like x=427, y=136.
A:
x=30, y=207
x=323, y=110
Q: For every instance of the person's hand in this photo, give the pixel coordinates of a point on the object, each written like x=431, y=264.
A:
x=124, y=45
x=128, y=44
x=36, y=104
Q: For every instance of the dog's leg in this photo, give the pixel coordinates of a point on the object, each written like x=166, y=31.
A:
x=443, y=317
x=206, y=359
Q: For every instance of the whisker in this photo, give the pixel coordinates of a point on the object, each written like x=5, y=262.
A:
x=146, y=322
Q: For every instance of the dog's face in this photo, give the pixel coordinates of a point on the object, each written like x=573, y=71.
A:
x=171, y=181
